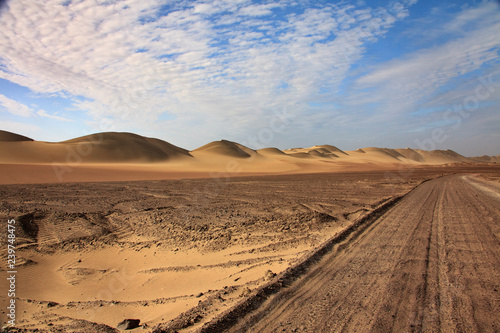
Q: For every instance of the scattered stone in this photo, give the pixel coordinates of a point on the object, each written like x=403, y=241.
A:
x=128, y=324
x=29, y=262
x=269, y=275
x=245, y=292
x=52, y=304
x=199, y=294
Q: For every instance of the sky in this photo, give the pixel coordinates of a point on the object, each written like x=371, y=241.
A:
x=384, y=73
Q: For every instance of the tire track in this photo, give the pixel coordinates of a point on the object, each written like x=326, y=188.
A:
x=431, y=263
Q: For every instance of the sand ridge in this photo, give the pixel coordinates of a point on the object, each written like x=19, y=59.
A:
x=9, y=137
x=128, y=156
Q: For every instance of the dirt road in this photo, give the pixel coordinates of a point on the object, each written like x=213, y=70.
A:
x=429, y=264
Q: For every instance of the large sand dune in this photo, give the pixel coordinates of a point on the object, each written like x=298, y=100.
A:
x=9, y=137
x=96, y=148
x=127, y=156
x=224, y=148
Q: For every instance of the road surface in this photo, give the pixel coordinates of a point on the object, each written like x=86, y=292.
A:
x=429, y=264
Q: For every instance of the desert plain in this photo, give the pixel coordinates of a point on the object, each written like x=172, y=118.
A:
x=225, y=238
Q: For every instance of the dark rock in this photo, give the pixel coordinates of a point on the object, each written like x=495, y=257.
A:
x=128, y=324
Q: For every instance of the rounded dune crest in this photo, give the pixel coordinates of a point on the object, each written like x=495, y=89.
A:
x=9, y=136
x=442, y=156
x=121, y=146
x=331, y=149
x=95, y=148
x=224, y=148
x=411, y=154
x=270, y=151
x=387, y=152
x=319, y=153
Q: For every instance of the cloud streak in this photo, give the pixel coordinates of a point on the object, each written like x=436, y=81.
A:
x=134, y=61
x=222, y=68
x=15, y=108
x=19, y=109
x=402, y=86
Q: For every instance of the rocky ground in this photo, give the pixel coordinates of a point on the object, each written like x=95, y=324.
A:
x=188, y=249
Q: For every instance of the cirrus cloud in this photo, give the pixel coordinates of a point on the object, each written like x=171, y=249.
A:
x=138, y=61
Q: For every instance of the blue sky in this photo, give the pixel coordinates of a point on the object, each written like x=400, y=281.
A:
x=408, y=73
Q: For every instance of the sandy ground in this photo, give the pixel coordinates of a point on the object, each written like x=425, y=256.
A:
x=215, y=168
x=429, y=264
x=176, y=253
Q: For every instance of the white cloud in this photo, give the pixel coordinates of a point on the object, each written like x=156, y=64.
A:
x=257, y=10
x=43, y=113
x=204, y=8
x=19, y=109
x=122, y=60
x=14, y=107
x=400, y=84
x=477, y=16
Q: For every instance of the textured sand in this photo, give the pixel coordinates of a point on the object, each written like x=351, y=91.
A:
x=429, y=264
x=115, y=225
x=127, y=156
x=176, y=253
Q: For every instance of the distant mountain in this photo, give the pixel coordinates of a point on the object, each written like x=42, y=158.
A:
x=486, y=159
x=117, y=147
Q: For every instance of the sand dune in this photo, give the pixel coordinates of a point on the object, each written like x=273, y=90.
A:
x=383, y=155
x=127, y=146
x=313, y=151
x=332, y=149
x=271, y=151
x=97, y=148
x=390, y=153
x=443, y=156
x=434, y=156
x=486, y=159
x=319, y=153
x=411, y=154
x=223, y=148
x=324, y=151
x=116, y=156
x=8, y=136
x=300, y=155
